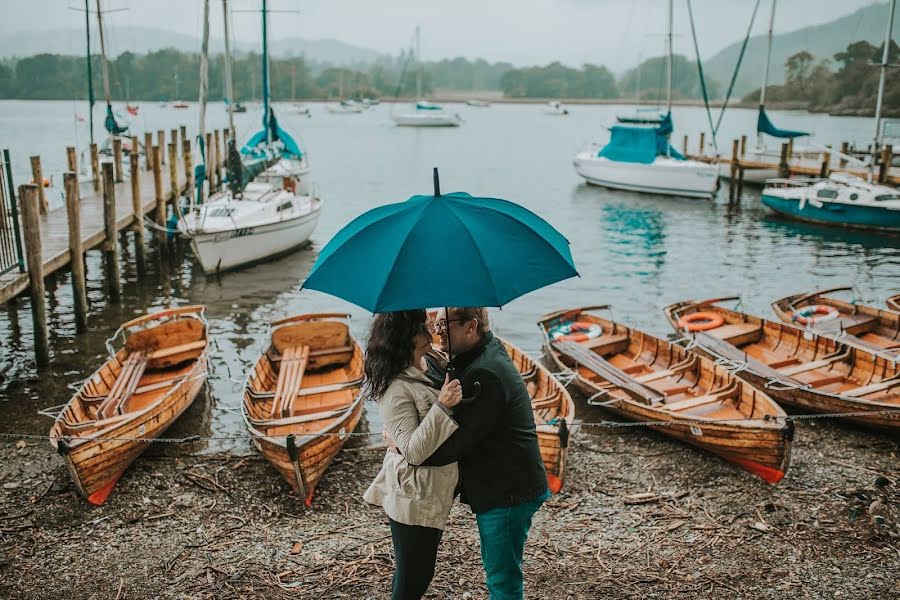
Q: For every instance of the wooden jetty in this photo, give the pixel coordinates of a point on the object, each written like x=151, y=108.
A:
x=791, y=164
x=45, y=242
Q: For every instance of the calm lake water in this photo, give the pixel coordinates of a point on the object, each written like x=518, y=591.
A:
x=637, y=252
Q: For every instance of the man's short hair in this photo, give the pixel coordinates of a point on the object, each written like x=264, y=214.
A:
x=479, y=313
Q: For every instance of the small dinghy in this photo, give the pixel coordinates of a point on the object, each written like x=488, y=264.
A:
x=302, y=398
x=871, y=328
x=799, y=368
x=554, y=414
x=138, y=392
x=643, y=378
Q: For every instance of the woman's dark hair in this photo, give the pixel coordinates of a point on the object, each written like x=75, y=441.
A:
x=390, y=348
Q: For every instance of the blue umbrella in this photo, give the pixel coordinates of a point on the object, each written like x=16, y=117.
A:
x=441, y=250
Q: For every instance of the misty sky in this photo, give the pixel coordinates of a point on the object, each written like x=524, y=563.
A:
x=610, y=32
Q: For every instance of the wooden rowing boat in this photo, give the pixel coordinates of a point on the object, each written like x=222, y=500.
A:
x=644, y=378
x=138, y=392
x=871, y=328
x=302, y=400
x=799, y=368
x=893, y=303
x=554, y=414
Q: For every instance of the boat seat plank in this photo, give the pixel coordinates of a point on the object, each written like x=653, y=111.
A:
x=655, y=375
x=733, y=330
x=310, y=391
x=324, y=352
x=179, y=349
x=603, y=340
x=602, y=367
x=696, y=401
x=809, y=366
x=873, y=388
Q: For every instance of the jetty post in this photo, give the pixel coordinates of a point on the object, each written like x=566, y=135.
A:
x=173, y=172
x=95, y=167
x=148, y=144
x=218, y=160
x=110, y=248
x=76, y=250
x=117, y=158
x=743, y=146
x=684, y=146
x=72, y=159
x=887, y=153
x=37, y=177
x=824, y=168
x=783, y=161
x=160, y=198
x=702, y=150
x=28, y=196
x=845, y=147
x=182, y=130
x=138, y=208
x=188, y=160
x=161, y=142
x=736, y=171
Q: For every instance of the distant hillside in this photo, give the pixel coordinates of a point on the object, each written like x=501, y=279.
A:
x=141, y=40
x=822, y=41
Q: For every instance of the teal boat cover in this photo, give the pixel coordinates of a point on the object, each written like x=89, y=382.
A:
x=764, y=125
x=427, y=106
x=257, y=145
x=640, y=144
x=112, y=126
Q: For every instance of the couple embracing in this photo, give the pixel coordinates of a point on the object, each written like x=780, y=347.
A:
x=471, y=433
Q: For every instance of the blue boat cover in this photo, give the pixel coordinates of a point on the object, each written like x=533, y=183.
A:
x=256, y=145
x=640, y=144
x=764, y=125
x=427, y=106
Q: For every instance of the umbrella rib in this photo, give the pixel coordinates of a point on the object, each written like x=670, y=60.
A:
x=397, y=255
x=478, y=249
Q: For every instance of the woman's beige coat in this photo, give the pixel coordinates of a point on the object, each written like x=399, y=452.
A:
x=419, y=424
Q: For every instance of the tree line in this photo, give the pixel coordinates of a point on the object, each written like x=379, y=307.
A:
x=846, y=86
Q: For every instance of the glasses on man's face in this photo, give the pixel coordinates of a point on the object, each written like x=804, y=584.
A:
x=439, y=326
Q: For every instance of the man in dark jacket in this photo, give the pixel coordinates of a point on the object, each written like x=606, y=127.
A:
x=501, y=471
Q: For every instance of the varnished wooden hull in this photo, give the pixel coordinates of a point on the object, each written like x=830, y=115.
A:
x=749, y=433
x=320, y=422
x=98, y=454
x=830, y=389
x=893, y=303
x=870, y=328
x=554, y=414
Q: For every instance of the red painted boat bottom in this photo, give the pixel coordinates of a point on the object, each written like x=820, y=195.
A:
x=100, y=496
x=767, y=474
x=554, y=483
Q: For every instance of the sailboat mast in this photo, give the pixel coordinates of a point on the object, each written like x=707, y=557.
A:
x=204, y=77
x=419, y=65
x=669, y=61
x=103, y=62
x=265, y=69
x=884, y=65
x=87, y=31
x=765, y=81
x=229, y=91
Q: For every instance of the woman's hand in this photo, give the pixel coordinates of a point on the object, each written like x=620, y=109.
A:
x=451, y=393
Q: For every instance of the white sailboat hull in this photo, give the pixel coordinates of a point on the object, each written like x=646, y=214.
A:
x=663, y=176
x=227, y=250
x=427, y=120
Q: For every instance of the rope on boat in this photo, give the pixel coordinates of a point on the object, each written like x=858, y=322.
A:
x=893, y=413
x=154, y=225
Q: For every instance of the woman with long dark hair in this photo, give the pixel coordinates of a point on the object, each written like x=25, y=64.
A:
x=417, y=416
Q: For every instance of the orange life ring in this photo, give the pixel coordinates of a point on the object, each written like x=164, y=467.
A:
x=46, y=182
x=579, y=331
x=816, y=313
x=701, y=321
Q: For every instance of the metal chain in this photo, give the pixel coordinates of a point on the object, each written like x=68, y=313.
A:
x=603, y=424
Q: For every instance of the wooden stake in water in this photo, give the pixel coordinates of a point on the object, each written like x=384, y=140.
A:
x=161, y=142
x=174, y=190
x=28, y=196
x=37, y=177
x=148, y=144
x=138, y=208
x=160, y=197
x=188, y=164
x=95, y=167
x=76, y=251
x=72, y=159
x=117, y=158
x=110, y=248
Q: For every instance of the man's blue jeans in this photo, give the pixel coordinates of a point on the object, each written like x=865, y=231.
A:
x=503, y=532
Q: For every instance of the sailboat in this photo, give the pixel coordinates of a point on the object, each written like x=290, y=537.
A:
x=271, y=144
x=640, y=158
x=272, y=215
x=764, y=126
x=425, y=114
x=843, y=200
x=344, y=106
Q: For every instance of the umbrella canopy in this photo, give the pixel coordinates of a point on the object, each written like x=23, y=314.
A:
x=441, y=250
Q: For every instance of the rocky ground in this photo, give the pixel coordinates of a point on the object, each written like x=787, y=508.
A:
x=640, y=517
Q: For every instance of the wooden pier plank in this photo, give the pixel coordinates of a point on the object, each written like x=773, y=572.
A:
x=55, y=230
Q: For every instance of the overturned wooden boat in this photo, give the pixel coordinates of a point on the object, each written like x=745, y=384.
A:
x=138, y=392
x=644, y=378
x=554, y=414
x=797, y=367
x=893, y=303
x=302, y=398
x=871, y=328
